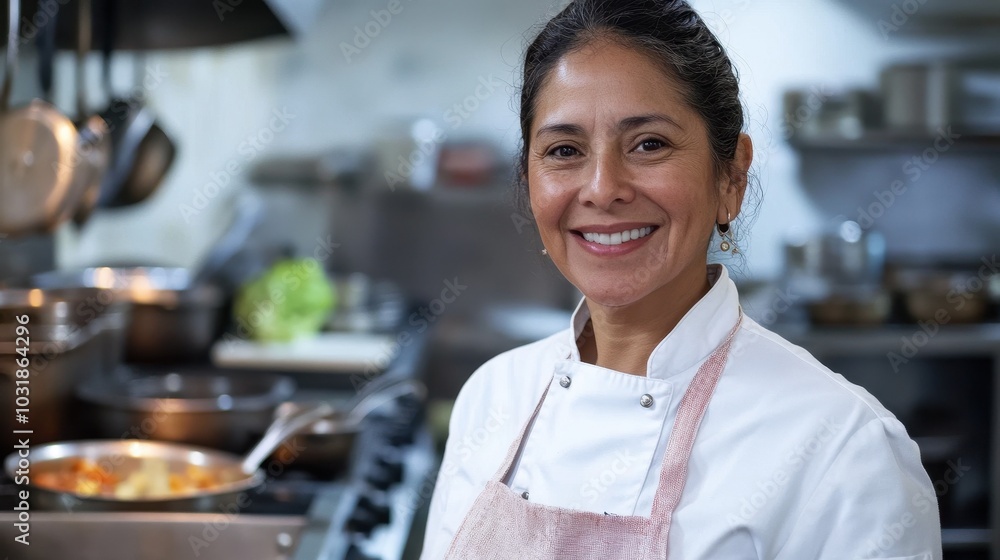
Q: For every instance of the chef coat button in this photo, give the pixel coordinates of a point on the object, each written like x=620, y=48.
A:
x=646, y=400
x=524, y=494
x=565, y=381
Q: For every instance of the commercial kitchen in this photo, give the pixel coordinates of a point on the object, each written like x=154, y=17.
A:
x=271, y=239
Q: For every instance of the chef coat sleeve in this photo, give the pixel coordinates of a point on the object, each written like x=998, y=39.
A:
x=874, y=502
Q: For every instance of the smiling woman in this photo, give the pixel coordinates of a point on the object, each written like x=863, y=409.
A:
x=662, y=422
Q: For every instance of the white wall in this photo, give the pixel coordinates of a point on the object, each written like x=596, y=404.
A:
x=429, y=56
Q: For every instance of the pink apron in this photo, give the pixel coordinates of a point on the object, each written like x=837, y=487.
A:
x=504, y=526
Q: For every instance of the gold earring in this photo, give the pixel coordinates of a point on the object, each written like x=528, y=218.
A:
x=725, y=232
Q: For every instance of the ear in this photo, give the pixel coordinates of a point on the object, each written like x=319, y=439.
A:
x=734, y=186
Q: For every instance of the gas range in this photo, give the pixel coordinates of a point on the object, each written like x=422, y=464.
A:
x=365, y=512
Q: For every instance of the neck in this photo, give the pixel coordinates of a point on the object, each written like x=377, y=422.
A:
x=621, y=338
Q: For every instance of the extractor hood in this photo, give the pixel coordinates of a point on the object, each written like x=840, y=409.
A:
x=174, y=24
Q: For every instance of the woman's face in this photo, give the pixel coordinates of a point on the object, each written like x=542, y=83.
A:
x=620, y=176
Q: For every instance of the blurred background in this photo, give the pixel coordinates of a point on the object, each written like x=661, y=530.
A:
x=357, y=158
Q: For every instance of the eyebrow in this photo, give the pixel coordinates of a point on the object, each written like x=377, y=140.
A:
x=624, y=125
x=635, y=122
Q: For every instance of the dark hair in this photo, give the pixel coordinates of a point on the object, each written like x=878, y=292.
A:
x=672, y=34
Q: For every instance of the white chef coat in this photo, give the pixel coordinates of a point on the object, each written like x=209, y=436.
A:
x=792, y=461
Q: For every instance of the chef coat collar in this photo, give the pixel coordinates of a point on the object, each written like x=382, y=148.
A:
x=699, y=332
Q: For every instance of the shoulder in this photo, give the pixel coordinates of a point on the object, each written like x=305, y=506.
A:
x=787, y=375
x=775, y=395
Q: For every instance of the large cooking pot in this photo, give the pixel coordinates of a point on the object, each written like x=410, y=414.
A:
x=173, y=319
x=68, y=336
x=221, y=411
x=118, y=461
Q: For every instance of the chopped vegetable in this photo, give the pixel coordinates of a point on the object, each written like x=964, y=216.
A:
x=151, y=479
x=291, y=300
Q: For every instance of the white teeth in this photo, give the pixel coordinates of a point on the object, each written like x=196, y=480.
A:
x=617, y=238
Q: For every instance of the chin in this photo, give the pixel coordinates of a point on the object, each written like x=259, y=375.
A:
x=612, y=292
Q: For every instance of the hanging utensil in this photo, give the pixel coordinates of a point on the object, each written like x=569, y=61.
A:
x=94, y=138
x=143, y=152
x=37, y=149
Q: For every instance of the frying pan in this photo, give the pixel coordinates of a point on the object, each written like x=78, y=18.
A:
x=37, y=149
x=237, y=475
x=143, y=152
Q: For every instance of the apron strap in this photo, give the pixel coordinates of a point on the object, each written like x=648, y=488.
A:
x=673, y=473
x=508, y=463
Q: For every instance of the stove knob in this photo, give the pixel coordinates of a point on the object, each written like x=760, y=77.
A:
x=377, y=510
x=367, y=515
x=354, y=553
x=385, y=472
x=399, y=434
x=361, y=522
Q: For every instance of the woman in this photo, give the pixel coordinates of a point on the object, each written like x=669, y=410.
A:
x=663, y=422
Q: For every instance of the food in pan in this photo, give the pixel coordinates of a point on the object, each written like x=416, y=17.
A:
x=147, y=478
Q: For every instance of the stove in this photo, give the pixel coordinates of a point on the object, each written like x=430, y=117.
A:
x=365, y=512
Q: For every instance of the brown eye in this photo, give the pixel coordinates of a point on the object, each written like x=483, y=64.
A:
x=563, y=151
x=651, y=145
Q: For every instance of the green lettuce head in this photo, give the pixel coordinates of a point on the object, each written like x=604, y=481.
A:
x=291, y=300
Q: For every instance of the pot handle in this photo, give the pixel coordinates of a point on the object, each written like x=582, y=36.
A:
x=281, y=429
x=384, y=395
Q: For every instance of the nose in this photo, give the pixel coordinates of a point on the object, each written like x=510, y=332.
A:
x=607, y=183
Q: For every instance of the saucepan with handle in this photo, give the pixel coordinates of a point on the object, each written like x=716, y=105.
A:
x=142, y=475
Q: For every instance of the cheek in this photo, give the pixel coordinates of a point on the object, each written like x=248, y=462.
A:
x=548, y=199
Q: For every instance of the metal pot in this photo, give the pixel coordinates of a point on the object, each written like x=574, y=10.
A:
x=70, y=335
x=172, y=319
x=38, y=147
x=119, y=458
x=325, y=445
x=212, y=410
x=943, y=295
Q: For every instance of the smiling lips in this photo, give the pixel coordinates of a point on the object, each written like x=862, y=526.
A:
x=613, y=240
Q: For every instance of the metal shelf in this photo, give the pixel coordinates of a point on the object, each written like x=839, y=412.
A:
x=950, y=340
x=966, y=539
x=896, y=141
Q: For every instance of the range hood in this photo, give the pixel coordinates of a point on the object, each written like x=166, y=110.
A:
x=929, y=16
x=174, y=24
